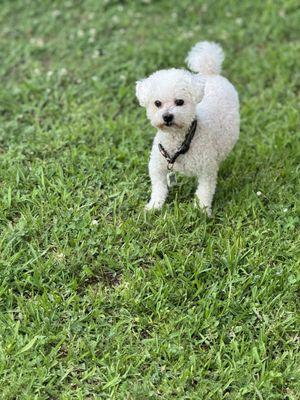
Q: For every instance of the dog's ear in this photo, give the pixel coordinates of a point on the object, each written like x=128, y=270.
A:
x=197, y=85
x=142, y=91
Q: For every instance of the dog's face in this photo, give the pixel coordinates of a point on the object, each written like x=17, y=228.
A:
x=170, y=97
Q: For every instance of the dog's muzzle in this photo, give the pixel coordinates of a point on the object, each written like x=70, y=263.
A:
x=168, y=119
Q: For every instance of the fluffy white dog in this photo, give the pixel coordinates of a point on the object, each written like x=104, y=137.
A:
x=197, y=117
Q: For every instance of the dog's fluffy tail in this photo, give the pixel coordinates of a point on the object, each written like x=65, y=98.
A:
x=205, y=58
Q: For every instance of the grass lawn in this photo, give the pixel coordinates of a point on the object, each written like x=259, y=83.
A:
x=99, y=300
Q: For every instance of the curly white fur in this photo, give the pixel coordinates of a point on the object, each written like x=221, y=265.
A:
x=206, y=58
x=207, y=96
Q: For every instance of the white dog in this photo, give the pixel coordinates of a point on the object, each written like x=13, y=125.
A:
x=197, y=117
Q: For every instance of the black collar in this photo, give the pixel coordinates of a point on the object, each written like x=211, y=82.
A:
x=185, y=145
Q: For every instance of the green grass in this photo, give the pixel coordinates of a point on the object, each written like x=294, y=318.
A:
x=99, y=300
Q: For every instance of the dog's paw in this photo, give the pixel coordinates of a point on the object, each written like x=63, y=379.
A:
x=206, y=209
x=153, y=205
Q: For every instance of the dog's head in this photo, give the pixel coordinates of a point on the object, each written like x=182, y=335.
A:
x=170, y=97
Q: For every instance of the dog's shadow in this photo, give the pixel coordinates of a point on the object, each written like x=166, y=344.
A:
x=183, y=191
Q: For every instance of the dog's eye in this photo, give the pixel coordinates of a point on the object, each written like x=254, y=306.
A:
x=179, y=102
x=157, y=103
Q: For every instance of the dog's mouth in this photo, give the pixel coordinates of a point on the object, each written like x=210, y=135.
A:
x=169, y=125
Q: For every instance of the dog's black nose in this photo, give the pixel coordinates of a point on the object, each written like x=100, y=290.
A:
x=168, y=117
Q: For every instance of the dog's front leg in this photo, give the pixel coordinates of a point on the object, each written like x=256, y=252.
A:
x=159, y=186
x=206, y=190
